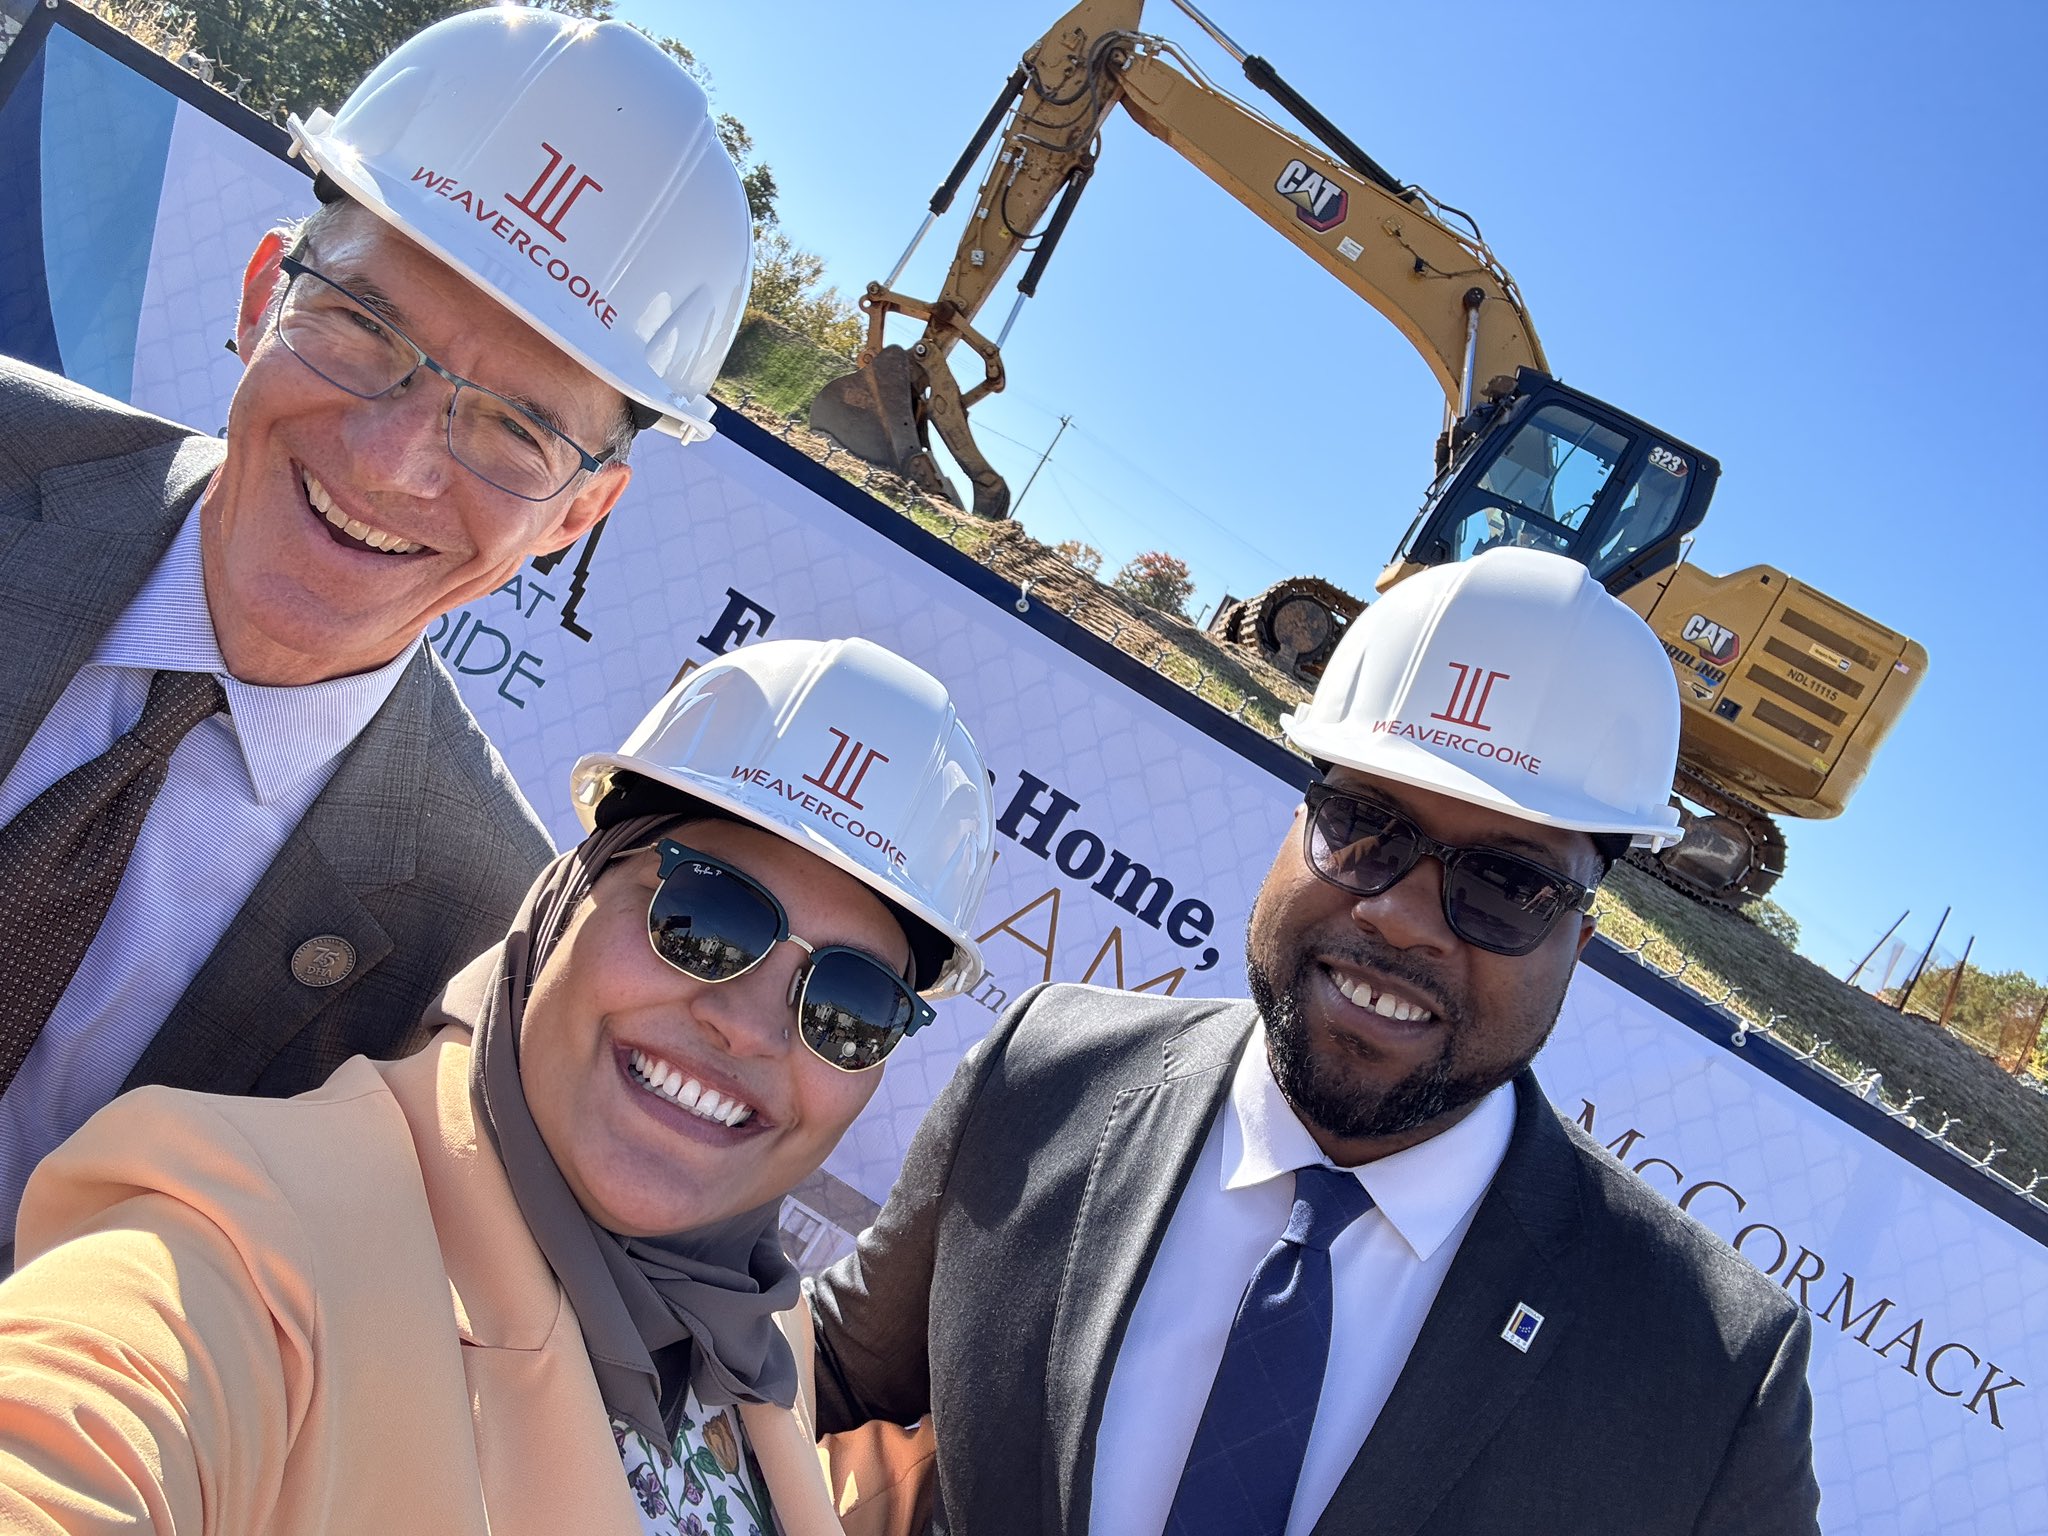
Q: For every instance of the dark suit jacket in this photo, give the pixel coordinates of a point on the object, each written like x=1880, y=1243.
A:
x=417, y=852
x=1665, y=1391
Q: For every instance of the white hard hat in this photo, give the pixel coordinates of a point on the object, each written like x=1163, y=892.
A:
x=570, y=169
x=846, y=750
x=1511, y=680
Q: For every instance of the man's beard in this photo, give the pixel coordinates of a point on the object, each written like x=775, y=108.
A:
x=1328, y=1099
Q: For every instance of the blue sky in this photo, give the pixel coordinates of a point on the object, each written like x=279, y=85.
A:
x=1804, y=237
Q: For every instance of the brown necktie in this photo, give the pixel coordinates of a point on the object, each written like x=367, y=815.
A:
x=61, y=859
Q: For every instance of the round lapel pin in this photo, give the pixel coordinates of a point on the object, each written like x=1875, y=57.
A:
x=323, y=960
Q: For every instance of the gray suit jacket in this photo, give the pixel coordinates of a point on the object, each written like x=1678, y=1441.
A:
x=1665, y=1391
x=417, y=852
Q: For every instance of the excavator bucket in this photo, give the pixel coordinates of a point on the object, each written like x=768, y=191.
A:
x=874, y=414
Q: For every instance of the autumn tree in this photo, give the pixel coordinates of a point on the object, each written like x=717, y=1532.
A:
x=787, y=288
x=1085, y=558
x=1158, y=580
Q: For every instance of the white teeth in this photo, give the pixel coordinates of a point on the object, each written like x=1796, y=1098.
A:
x=375, y=538
x=666, y=1079
x=1385, y=1004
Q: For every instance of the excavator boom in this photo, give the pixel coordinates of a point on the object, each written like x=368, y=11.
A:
x=1523, y=460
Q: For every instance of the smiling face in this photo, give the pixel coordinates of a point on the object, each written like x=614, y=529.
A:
x=608, y=1018
x=1384, y=1027
x=295, y=596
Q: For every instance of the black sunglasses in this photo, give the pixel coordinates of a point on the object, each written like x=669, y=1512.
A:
x=1493, y=900
x=714, y=923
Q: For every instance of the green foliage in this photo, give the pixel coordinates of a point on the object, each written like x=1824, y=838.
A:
x=786, y=289
x=1158, y=580
x=1085, y=558
x=780, y=369
x=2001, y=1011
x=1774, y=920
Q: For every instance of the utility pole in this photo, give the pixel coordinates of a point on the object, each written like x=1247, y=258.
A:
x=1065, y=422
x=1851, y=977
x=1955, y=983
x=1914, y=980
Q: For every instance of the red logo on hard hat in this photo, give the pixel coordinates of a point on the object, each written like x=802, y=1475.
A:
x=549, y=205
x=848, y=765
x=1467, y=706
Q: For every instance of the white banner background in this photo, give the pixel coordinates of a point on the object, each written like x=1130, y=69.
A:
x=1905, y=1438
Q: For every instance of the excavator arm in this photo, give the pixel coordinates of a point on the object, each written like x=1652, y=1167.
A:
x=1393, y=246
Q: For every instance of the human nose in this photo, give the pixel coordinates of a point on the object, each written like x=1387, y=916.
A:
x=751, y=1015
x=402, y=436
x=1409, y=914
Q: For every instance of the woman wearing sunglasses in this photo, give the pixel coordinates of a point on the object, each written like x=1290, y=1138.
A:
x=527, y=1280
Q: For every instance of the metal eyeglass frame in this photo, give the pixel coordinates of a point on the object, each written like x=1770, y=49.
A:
x=674, y=854
x=590, y=463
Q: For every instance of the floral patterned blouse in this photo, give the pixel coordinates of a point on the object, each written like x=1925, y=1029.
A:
x=706, y=1484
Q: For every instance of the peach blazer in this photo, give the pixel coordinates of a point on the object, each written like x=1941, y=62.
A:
x=258, y=1317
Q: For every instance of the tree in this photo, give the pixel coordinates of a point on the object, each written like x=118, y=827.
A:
x=1158, y=580
x=1085, y=558
x=1774, y=920
x=786, y=280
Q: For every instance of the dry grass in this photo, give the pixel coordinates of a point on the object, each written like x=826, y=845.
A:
x=161, y=28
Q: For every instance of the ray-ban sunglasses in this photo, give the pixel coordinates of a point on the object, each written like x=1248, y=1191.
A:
x=715, y=923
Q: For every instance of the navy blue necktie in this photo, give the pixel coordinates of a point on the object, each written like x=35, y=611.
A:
x=1247, y=1453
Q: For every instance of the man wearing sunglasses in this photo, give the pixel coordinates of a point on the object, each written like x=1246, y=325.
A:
x=1327, y=1261
x=249, y=826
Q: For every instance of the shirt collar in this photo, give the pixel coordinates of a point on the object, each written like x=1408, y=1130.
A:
x=1424, y=1191
x=286, y=734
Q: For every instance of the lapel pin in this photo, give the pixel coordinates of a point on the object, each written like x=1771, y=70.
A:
x=1522, y=1325
x=323, y=960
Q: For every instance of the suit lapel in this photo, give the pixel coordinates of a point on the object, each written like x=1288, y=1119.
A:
x=66, y=576
x=360, y=836
x=1462, y=1378
x=1142, y=1161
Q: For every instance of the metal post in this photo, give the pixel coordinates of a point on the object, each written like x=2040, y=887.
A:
x=909, y=251
x=1955, y=983
x=1065, y=422
x=1914, y=980
x=1850, y=979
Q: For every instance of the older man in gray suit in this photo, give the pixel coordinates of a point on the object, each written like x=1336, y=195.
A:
x=247, y=825
x=1327, y=1262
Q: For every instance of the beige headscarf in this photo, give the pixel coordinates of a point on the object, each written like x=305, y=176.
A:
x=693, y=1309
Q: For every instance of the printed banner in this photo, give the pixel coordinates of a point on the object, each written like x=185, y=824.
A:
x=1137, y=823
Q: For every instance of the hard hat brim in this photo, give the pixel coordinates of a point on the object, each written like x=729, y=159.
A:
x=593, y=774
x=1407, y=763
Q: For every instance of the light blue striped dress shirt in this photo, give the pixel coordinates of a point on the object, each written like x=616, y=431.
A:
x=235, y=789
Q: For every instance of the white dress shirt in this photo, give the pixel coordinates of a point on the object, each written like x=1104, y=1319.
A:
x=235, y=789
x=1385, y=1270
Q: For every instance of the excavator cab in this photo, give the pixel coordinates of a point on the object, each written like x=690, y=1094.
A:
x=1543, y=466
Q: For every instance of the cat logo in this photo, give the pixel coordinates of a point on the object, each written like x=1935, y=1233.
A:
x=1716, y=641
x=1318, y=201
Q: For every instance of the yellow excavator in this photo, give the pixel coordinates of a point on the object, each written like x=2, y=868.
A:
x=1786, y=692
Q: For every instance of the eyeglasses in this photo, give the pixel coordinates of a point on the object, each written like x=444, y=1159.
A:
x=344, y=340
x=714, y=923
x=1493, y=900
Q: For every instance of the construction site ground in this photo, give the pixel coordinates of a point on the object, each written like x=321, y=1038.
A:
x=1948, y=1080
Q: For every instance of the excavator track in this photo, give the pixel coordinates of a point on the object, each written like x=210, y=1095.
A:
x=1704, y=864
x=1295, y=624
